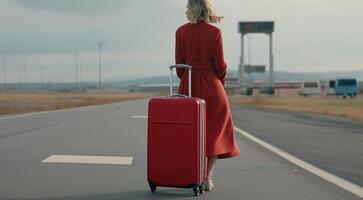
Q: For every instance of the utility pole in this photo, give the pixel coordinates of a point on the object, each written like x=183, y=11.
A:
x=24, y=76
x=99, y=66
x=41, y=77
x=4, y=76
x=80, y=73
x=56, y=82
x=19, y=81
x=76, y=60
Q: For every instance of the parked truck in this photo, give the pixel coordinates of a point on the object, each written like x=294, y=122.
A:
x=310, y=88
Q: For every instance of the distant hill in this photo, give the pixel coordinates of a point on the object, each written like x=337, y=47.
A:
x=279, y=76
x=290, y=76
x=125, y=85
x=150, y=80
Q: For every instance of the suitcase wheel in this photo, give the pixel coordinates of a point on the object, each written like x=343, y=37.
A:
x=202, y=188
x=152, y=187
x=195, y=189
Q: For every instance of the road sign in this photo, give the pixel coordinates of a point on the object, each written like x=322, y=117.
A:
x=256, y=27
x=245, y=28
x=255, y=68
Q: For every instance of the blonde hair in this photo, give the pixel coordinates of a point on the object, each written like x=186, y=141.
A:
x=203, y=10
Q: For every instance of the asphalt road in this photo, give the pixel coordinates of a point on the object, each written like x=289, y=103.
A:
x=330, y=143
x=111, y=130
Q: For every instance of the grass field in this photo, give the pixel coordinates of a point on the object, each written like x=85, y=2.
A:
x=16, y=102
x=23, y=102
x=289, y=100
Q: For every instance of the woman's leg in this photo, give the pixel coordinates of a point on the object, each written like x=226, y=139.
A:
x=211, y=161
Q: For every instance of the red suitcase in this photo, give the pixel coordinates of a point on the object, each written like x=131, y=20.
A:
x=176, y=140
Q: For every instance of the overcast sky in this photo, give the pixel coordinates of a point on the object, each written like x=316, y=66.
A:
x=138, y=36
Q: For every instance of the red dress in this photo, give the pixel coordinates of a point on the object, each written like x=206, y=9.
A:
x=200, y=45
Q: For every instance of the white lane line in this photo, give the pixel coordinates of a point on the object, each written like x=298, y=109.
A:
x=351, y=187
x=53, y=111
x=47, y=111
x=139, y=116
x=35, y=113
x=89, y=159
x=17, y=116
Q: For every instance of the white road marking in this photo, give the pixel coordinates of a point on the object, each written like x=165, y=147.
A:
x=139, y=116
x=36, y=113
x=47, y=111
x=351, y=187
x=89, y=159
x=52, y=111
x=17, y=116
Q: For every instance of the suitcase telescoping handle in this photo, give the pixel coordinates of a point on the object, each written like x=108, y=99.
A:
x=181, y=66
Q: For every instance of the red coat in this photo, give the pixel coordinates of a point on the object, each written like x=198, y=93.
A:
x=200, y=45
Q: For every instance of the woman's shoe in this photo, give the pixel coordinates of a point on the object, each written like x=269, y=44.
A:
x=208, y=184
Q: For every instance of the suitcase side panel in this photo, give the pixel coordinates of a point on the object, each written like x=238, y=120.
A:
x=173, y=141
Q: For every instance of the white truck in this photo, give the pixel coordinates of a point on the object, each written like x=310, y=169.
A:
x=310, y=88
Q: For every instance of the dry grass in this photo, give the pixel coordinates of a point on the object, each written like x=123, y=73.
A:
x=289, y=100
x=16, y=102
